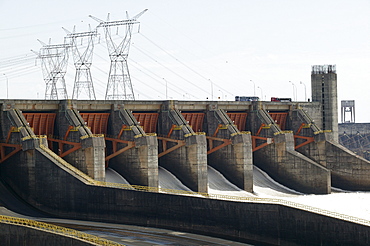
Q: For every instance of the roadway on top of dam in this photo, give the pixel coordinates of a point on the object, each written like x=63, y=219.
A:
x=105, y=105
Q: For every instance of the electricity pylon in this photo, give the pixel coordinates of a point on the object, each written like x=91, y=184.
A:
x=54, y=59
x=119, y=82
x=82, y=56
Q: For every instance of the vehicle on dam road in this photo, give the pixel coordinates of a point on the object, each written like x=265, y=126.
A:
x=246, y=99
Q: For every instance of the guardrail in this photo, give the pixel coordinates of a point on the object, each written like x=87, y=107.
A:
x=241, y=199
x=277, y=201
x=56, y=230
x=82, y=175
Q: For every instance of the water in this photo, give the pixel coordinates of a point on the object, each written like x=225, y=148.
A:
x=354, y=204
x=112, y=176
x=169, y=181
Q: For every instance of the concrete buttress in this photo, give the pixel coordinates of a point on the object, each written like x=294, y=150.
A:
x=348, y=170
x=90, y=158
x=234, y=160
x=139, y=164
x=282, y=162
x=188, y=160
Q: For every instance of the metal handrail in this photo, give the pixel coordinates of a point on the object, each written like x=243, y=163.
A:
x=67, y=165
x=56, y=230
x=242, y=199
x=277, y=201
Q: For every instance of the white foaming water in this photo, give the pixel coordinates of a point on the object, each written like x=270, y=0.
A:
x=354, y=204
x=218, y=184
x=112, y=176
x=265, y=186
x=168, y=181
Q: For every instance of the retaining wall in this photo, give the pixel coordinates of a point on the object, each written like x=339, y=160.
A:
x=58, y=190
x=20, y=235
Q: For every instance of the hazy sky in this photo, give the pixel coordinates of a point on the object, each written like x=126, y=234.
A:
x=235, y=47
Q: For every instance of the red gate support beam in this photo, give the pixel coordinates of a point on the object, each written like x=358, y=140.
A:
x=61, y=144
x=179, y=143
x=225, y=143
x=130, y=145
x=254, y=143
x=254, y=139
x=3, y=146
x=308, y=139
x=4, y=156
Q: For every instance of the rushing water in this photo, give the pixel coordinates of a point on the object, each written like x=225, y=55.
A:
x=112, y=176
x=350, y=203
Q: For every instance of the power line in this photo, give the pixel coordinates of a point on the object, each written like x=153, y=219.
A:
x=170, y=70
x=182, y=63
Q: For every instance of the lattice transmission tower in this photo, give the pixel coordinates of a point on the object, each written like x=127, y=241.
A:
x=54, y=61
x=119, y=82
x=82, y=56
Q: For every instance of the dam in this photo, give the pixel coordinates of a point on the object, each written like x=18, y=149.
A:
x=55, y=155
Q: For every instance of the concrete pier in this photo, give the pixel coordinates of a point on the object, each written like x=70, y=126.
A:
x=75, y=195
x=348, y=171
x=280, y=160
x=284, y=147
x=134, y=153
x=230, y=150
x=184, y=151
x=89, y=158
x=30, y=167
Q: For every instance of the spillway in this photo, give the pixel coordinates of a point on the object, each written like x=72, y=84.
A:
x=169, y=181
x=265, y=186
x=112, y=176
x=218, y=184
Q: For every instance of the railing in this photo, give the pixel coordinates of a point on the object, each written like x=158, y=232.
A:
x=56, y=230
x=82, y=175
x=241, y=199
x=91, y=181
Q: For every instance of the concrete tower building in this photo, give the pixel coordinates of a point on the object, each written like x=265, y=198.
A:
x=324, y=90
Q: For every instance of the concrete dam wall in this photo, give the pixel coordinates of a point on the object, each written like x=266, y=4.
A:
x=64, y=176
x=75, y=195
x=283, y=139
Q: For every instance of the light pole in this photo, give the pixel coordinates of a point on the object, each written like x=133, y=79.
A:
x=294, y=91
x=305, y=95
x=261, y=92
x=211, y=88
x=254, y=88
x=166, y=89
x=7, y=91
x=222, y=97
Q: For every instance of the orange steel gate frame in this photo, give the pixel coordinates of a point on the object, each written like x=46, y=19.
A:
x=43, y=124
x=212, y=138
x=308, y=139
x=3, y=146
x=165, y=140
x=257, y=137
